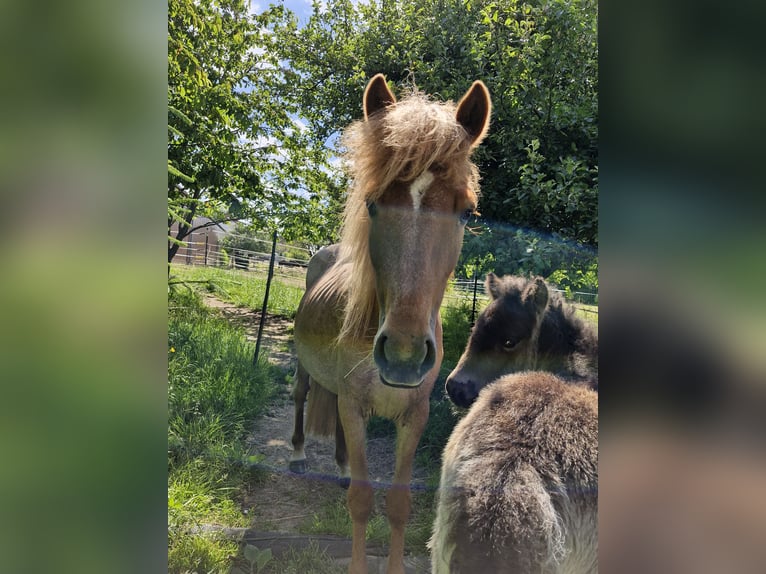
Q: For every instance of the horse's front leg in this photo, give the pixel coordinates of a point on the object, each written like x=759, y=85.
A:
x=399, y=499
x=360, y=495
x=341, y=454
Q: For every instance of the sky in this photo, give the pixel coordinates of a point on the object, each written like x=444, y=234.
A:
x=301, y=8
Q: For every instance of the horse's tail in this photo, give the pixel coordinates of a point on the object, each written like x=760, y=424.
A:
x=322, y=414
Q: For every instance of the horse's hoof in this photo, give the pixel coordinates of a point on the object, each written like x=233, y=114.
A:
x=344, y=481
x=298, y=466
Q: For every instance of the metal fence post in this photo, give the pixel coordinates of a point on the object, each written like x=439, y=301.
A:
x=473, y=310
x=266, y=297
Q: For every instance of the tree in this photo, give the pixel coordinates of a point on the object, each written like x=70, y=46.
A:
x=538, y=58
x=236, y=146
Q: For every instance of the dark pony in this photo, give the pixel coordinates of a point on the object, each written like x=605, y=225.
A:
x=525, y=326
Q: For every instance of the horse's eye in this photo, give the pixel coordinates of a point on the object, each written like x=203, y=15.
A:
x=508, y=345
x=372, y=209
x=465, y=216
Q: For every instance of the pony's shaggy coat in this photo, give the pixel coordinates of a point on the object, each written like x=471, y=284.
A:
x=519, y=481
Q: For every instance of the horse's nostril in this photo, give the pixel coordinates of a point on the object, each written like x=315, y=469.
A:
x=379, y=352
x=430, y=352
x=404, y=358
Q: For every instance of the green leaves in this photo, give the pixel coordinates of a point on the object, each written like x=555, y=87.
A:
x=234, y=149
x=175, y=172
x=538, y=60
x=238, y=83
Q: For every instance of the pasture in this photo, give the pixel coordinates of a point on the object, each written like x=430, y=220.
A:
x=214, y=477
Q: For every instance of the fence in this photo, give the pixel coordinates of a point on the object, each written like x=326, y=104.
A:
x=210, y=253
x=291, y=271
x=474, y=292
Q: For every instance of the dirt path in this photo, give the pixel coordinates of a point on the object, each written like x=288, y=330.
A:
x=284, y=503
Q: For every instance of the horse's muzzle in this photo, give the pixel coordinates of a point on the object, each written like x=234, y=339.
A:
x=404, y=360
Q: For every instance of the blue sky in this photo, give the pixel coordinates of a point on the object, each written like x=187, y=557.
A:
x=301, y=8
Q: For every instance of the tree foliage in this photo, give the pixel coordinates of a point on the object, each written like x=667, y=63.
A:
x=236, y=145
x=256, y=104
x=538, y=58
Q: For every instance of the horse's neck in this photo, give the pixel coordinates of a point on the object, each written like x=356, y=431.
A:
x=325, y=302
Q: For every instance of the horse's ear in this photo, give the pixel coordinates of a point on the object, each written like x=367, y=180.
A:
x=492, y=284
x=473, y=112
x=377, y=96
x=538, y=293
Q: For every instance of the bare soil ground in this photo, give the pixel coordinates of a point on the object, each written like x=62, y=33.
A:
x=283, y=502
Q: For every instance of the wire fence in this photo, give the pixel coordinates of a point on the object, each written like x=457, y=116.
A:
x=209, y=253
x=464, y=289
x=290, y=263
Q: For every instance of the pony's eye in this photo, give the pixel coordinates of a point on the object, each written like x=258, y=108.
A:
x=508, y=345
x=372, y=209
x=465, y=216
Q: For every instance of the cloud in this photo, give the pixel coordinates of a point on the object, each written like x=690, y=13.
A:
x=255, y=8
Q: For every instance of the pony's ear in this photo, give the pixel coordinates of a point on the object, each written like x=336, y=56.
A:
x=537, y=292
x=377, y=96
x=492, y=284
x=473, y=112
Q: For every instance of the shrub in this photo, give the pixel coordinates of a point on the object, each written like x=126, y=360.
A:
x=506, y=250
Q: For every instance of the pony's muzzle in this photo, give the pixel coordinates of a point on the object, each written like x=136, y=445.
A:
x=462, y=393
x=403, y=360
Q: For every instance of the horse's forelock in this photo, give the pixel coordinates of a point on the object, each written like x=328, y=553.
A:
x=402, y=143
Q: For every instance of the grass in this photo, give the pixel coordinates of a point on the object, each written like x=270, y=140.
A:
x=214, y=393
x=246, y=288
x=312, y=559
x=588, y=312
x=198, y=494
x=334, y=519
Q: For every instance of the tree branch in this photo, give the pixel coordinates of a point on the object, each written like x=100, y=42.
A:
x=211, y=223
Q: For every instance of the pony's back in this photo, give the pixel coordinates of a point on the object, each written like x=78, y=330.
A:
x=519, y=481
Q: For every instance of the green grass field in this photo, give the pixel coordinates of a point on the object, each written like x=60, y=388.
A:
x=214, y=395
x=247, y=288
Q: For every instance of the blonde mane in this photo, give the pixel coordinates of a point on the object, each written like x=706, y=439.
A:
x=398, y=144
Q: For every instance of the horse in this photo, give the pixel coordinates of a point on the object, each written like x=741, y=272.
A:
x=367, y=333
x=525, y=326
x=519, y=481
x=319, y=263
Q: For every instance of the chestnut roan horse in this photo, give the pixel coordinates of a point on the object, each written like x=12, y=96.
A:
x=367, y=332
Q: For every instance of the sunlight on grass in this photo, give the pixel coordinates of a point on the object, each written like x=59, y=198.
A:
x=335, y=519
x=245, y=288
